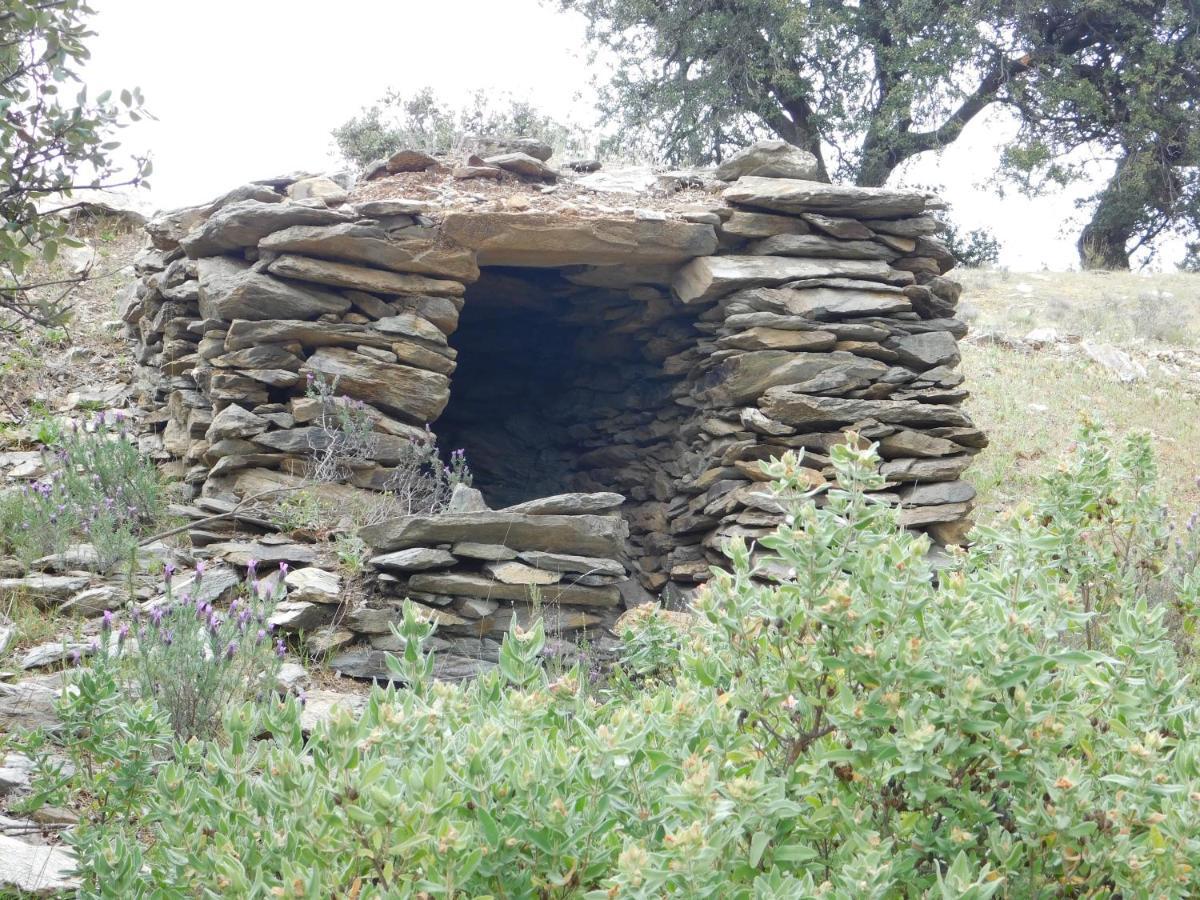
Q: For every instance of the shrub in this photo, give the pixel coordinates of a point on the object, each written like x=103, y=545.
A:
x=99, y=487
x=195, y=660
x=975, y=249
x=423, y=121
x=345, y=439
x=1018, y=726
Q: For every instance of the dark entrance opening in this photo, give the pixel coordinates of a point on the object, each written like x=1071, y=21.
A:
x=559, y=386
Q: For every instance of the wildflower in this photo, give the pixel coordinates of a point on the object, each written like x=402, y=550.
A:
x=231, y=650
x=260, y=637
x=122, y=633
x=280, y=649
x=283, y=568
x=106, y=622
x=200, y=566
x=251, y=566
x=76, y=656
x=169, y=570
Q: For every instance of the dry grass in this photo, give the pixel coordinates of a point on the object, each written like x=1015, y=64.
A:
x=1029, y=403
x=1116, y=307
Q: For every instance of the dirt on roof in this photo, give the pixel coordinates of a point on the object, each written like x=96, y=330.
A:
x=618, y=192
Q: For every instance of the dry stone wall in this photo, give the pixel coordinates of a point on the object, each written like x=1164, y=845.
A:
x=633, y=361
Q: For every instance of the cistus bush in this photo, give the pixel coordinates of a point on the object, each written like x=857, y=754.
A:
x=837, y=720
x=99, y=487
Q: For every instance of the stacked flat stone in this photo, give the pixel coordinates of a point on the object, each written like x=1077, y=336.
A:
x=776, y=316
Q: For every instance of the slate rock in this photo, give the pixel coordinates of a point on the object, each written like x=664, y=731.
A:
x=710, y=277
x=800, y=196
x=246, y=222
x=36, y=869
x=585, y=535
x=415, y=559
x=360, y=278
x=523, y=164
x=564, y=562
x=547, y=240
x=313, y=585
x=466, y=585
x=569, y=504
x=769, y=159
x=815, y=245
x=407, y=160
x=44, y=590
x=371, y=246
x=231, y=289
x=235, y=422
x=518, y=573
x=414, y=394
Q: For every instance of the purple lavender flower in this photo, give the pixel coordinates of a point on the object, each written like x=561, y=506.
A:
x=231, y=650
x=200, y=566
x=283, y=568
x=169, y=570
x=260, y=637
x=106, y=623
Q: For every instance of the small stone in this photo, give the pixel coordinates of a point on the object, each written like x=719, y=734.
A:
x=523, y=164
x=568, y=504
x=320, y=706
x=44, y=590
x=313, y=585
x=472, y=550
x=410, y=161
x=519, y=573
x=416, y=559
x=35, y=868
x=235, y=422
x=564, y=562
x=92, y=602
x=327, y=638
x=292, y=616
x=465, y=499
x=318, y=188
x=769, y=159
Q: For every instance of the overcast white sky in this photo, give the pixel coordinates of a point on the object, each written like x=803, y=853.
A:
x=252, y=88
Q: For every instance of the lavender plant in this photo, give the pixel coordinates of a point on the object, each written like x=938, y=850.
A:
x=345, y=439
x=194, y=660
x=99, y=487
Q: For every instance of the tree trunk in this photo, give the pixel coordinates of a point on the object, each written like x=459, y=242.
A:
x=1102, y=243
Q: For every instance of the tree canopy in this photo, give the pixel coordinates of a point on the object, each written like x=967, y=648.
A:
x=54, y=139
x=1130, y=99
x=867, y=86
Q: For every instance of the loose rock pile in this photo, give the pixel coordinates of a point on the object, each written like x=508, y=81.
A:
x=690, y=341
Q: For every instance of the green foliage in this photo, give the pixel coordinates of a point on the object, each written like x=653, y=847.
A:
x=866, y=86
x=423, y=121
x=99, y=488
x=974, y=249
x=1129, y=102
x=1019, y=727
x=53, y=139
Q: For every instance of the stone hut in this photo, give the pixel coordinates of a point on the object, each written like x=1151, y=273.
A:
x=615, y=352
